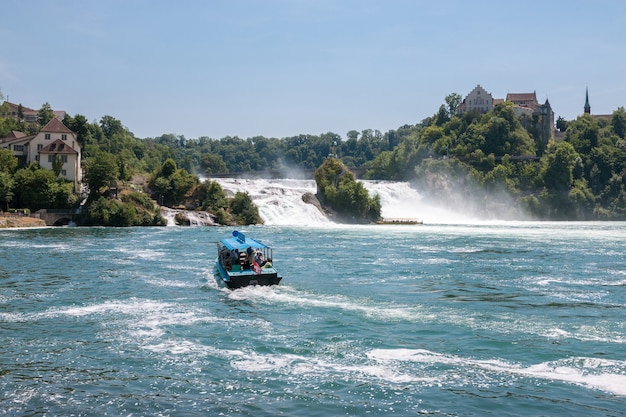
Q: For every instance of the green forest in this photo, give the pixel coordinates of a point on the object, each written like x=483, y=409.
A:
x=494, y=164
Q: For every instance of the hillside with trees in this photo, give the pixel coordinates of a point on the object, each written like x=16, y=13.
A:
x=489, y=163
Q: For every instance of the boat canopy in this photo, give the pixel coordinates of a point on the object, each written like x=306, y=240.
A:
x=240, y=242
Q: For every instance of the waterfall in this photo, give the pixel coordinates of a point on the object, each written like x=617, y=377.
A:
x=280, y=201
x=195, y=218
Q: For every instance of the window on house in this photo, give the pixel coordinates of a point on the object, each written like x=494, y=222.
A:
x=64, y=173
x=37, y=158
x=47, y=136
x=18, y=148
x=64, y=137
x=39, y=146
x=50, y=158
x=63, y=158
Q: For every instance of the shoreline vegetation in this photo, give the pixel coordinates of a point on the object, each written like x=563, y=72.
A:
x=495, y=164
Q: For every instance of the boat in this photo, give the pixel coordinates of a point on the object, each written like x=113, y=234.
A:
x=242, y=261
x=399, y=220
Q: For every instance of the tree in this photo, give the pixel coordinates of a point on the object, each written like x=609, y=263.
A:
x=170, y=185
x=583, y=133
x=85, y=131
x=7, y=124
x=442, y=116
x=45, y=114
x=244, y=209
x=111, y=126
x=618, y=121
x=6, y=188
x=504, y=134
x=106, y=212
x=561, y=124
x=213, y=163
x=62, y=194
x=8, y=161
x=212, y=196
x=338, y=190
x=57, y=165
x=32, y=187
x=453, y=100
x=168, y=168
x=100, y=170
x=558, y=166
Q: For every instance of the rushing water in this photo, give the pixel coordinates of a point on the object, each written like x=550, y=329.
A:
x=443, y=319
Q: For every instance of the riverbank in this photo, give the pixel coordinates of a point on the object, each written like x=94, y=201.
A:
x=20, y=221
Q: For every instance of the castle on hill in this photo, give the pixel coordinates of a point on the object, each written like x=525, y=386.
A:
x=527, y=108
x=525, y=105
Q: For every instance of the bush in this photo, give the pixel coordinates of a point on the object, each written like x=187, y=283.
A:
x=338, y=190
x=170, y=185
x=244, y=210
x=212, y=196
x=106, y=212
x=140, y=199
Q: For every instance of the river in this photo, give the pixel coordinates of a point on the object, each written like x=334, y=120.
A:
x=455, y=317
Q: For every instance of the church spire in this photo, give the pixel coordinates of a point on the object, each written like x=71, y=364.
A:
x=587, y=106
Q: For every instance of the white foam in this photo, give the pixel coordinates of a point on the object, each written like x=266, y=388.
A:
x=605, y=375
x=505, y=323
x=400, y=200
x=316, y=367
x=280, y=201
x=170, y=283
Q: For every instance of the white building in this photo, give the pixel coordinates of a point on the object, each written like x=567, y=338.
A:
x=478, y=100
x=54, y=140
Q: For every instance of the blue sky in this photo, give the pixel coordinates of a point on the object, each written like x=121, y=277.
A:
x=280, y=68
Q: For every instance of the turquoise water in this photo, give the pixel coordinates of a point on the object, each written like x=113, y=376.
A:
x=506, y=319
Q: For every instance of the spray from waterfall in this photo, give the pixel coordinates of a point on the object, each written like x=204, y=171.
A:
x=280, y=201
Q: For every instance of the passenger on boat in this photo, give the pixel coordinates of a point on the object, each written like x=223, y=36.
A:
x=225, y=257
x=258, y=258
x=244, y=261
x=250, y=253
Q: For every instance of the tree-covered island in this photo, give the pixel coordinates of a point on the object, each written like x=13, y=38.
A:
x=495, y=163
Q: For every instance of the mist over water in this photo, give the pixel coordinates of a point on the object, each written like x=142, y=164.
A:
x=280, y=201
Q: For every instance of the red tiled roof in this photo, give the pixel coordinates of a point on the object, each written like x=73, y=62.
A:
x=56, y=126
x=14, y=139
x=513, y=97
x=14, y=107
x=58, y=146
x=14, y=134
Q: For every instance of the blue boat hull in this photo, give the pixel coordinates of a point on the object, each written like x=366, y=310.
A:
x=239, y=279
x=239, y=261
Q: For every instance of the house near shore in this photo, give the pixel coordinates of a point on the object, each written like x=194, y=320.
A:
x=54, y=140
